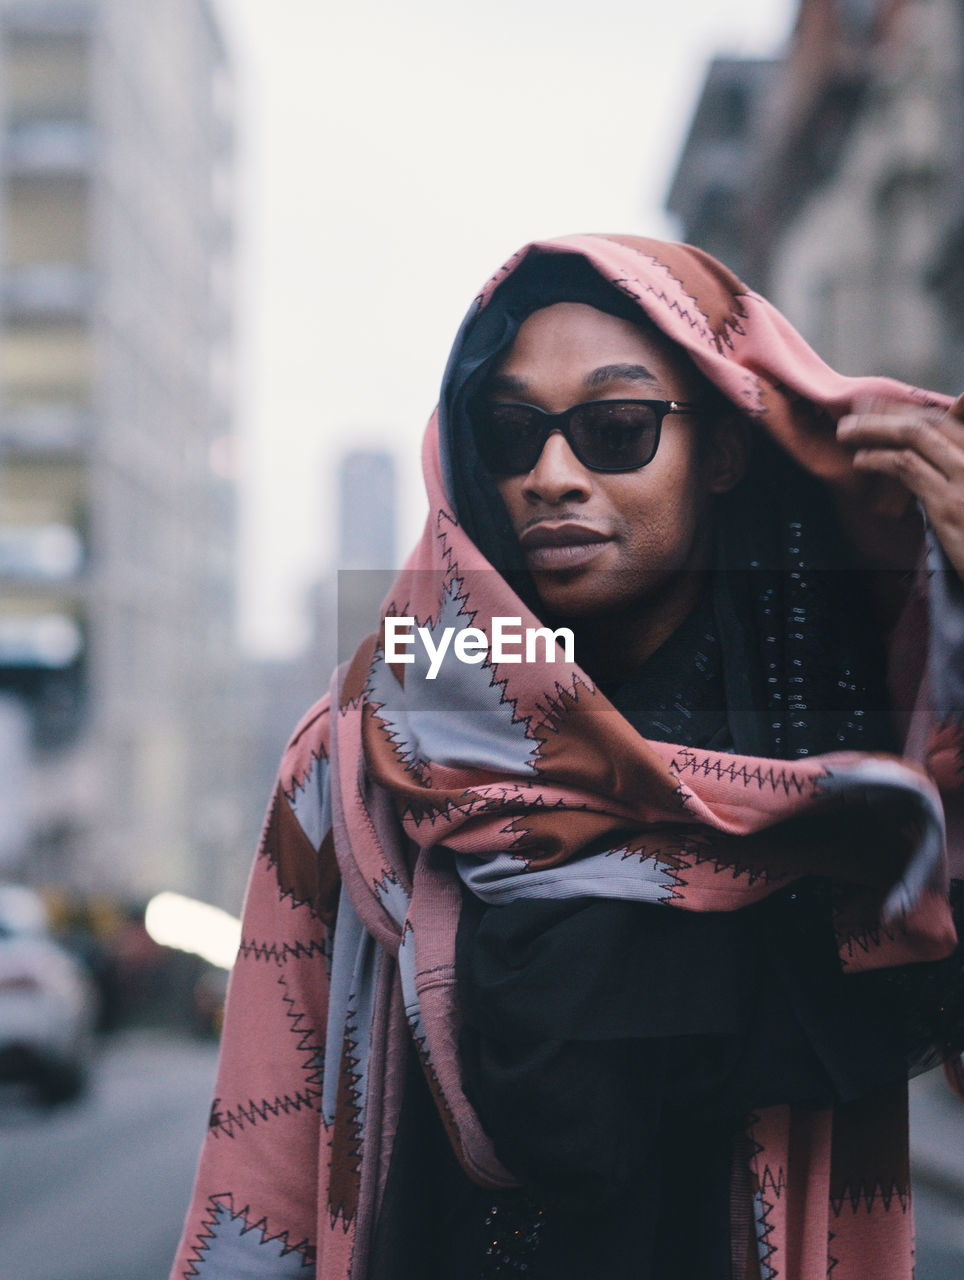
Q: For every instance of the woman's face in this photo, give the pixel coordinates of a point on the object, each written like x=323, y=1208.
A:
x=599, y=543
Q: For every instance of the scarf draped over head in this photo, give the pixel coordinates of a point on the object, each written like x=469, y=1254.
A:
x=522, y=776
x=523, y=764
x=521, y=780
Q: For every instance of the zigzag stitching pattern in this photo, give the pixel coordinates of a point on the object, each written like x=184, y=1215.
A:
x=696, y=318
x=472, y=804
x=682, y=792
x=453, y=578
x=784, y=780
x=206, y=1233
x=658, y=855
x=553, y=709
x=225, y=1200
x=352, y=1120
x=381, y=888
x=228, y=1121
x=263, y=852
x=737, y=870
x=420, y=1042
x=312, y=1066
x=449, y=810
x=866, y=939
x=861, y=1195
x=776, y=1184
x=513, y=802
x=300, y=783
x=832, y=1261
x=409, y=762
x=281, y=953
x=766, y=1247
x=266, y=826
x=745, y=291
x=455, y=575
x=514, y=828
x=763, y=1228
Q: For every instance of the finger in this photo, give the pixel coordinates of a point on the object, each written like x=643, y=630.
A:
x=915, y=472
x=884, y=409
x=940, y=499
x=890, y=404
x=930, y=439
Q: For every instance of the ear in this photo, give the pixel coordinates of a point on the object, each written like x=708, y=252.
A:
x=728, y=452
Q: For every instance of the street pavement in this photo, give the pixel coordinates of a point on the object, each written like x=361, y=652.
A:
x=937, y=1161
x=97, y=1190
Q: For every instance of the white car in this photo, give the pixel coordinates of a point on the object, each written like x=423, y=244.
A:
x=48, y=1005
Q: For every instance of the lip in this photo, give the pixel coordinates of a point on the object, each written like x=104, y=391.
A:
x=561, y=546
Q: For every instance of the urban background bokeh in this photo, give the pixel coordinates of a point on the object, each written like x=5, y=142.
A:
x=138, y=739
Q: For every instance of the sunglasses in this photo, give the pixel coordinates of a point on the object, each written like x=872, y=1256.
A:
x=604, y=435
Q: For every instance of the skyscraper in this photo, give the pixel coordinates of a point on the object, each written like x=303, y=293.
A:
x=366, y=510
x=116, y=487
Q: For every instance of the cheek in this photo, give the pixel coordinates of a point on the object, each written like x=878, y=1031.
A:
x=510, y=491
x=666, y=522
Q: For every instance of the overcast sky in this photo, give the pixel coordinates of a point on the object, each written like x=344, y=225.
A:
x=393, y=155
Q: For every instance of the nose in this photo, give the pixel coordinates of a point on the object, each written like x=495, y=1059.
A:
x=558, y=475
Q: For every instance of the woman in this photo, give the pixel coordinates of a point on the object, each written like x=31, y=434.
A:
x=615, y=963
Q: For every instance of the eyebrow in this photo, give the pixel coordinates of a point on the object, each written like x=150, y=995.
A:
x=506, y=384
x=509, y=384
x=619, y=373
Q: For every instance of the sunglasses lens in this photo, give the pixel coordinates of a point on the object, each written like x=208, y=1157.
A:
x=616, y=435
x=510, y=437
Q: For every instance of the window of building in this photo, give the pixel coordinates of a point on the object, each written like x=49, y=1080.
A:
x=46, y=76
x=43, y=492
x=45, y=221
x=731, y=110
x=46, y=363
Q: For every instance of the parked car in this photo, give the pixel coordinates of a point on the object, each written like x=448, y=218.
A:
x=48, y=1004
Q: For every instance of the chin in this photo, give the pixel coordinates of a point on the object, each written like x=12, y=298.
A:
x=603, y=595
x=565, y=605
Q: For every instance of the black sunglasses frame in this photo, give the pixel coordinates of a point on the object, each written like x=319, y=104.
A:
x=561, y=422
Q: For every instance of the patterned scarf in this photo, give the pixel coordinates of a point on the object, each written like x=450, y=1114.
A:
x=523, y=779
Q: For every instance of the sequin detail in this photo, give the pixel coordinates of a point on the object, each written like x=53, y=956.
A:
x=513, y=1225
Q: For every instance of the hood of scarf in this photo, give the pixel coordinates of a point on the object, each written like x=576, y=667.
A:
x=524, y=768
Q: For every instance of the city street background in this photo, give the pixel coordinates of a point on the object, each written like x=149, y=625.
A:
x=236, y=239
x=97, y=1190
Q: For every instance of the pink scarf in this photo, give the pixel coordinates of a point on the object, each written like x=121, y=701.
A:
x=509, y=773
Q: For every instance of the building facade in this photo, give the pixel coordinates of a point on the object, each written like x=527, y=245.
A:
x=117, y=495
x=848, y=208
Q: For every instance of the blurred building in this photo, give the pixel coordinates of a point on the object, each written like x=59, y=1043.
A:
x=366, y=510
x=717, y=169
x=116, y=457
x=839, y=191
x=366, y=566
x=340, y=606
